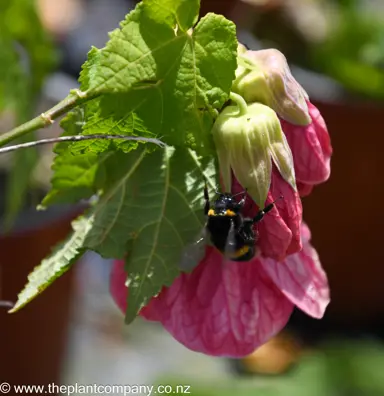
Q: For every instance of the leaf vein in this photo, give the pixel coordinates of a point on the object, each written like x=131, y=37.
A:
x=116, y=74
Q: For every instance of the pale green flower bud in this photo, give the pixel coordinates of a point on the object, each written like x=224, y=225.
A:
x=264, y=76
x=247, y=139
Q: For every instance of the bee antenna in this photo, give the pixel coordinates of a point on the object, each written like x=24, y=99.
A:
x=242, y=192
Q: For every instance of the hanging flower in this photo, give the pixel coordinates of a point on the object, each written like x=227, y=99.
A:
x=248, y=140
x=279, y=232
x=272, y=141
x=254, y=153
x=230, y=310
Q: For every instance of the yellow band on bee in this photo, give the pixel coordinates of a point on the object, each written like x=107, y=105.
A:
x=240, y=252
x=230, y=213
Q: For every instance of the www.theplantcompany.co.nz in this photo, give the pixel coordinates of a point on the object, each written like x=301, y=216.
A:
x=94, y=389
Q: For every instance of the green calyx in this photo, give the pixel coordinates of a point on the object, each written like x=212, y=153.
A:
x=248, y=138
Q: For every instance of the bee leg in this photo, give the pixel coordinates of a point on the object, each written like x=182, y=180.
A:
x=206, y=197
x=264, y=211
x=260, y=214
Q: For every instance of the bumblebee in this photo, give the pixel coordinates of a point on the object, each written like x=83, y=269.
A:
x=227, y=229
x=230, y=232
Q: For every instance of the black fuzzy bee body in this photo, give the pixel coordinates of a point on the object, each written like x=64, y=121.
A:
x=230, y=232
x=227, y=229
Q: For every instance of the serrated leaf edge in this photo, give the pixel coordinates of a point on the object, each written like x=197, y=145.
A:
x=71, y=243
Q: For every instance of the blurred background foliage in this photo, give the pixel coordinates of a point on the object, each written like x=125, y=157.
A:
x=342, y=39
x=339, y=39
x=353, y=50
x=27, y=56
x=336, y=50
x=340, y=368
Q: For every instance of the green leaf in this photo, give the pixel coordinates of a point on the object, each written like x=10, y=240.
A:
x=174, y=78
x=79, y=170
x=109, y=116
x=88, y=68
x=75, y=177
x=59, y=261
x=155, y=78
x=183, y=13
x=72, y=125
x=153, y=209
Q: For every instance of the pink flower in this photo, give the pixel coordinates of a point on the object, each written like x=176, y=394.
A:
x=311, y=149
x=274, y=142
x=279, y=231
x=231, y=309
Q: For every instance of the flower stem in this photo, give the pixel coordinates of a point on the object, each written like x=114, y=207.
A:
x=75, y=98
x=241, y=103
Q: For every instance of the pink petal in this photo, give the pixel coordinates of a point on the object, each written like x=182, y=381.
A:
x=305, y=233
x=311, y=148
x=221, y=310
x=304, y=189
x=279, y=230
x=301, y=278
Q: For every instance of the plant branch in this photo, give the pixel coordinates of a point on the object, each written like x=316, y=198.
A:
x=75, y=98
x=78, y=138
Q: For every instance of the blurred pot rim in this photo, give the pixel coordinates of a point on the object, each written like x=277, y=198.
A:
x=31, y=220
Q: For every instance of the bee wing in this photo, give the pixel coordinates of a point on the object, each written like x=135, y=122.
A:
x=230, y=245
x=194, y=253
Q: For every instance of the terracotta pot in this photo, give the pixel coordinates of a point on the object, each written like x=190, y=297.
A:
x=33, y=340
x=345, y=214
